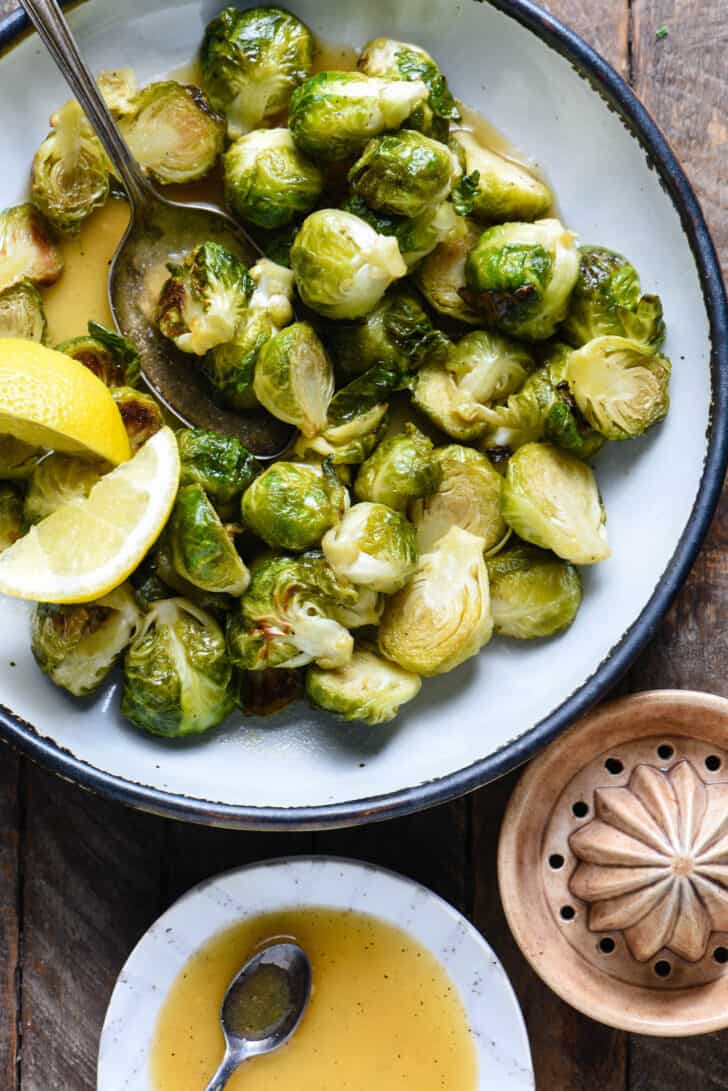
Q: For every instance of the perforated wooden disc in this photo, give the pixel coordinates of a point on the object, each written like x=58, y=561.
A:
x=613, y=864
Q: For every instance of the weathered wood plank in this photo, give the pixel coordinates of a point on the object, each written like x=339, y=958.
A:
x=10, y=836
x=604, y=24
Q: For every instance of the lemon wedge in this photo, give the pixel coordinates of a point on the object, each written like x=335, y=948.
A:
x=50, y=400
x=88, y=547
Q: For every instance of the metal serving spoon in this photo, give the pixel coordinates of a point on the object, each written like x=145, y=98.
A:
x=262, y=1007
x=159, y=230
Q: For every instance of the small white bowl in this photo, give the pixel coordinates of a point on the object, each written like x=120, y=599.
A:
x=500, y=1035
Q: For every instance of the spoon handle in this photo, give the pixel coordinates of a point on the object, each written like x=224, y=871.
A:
x=230, y=1064
x=56, y=35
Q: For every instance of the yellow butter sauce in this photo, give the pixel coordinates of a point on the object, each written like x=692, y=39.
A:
x=384, y=1014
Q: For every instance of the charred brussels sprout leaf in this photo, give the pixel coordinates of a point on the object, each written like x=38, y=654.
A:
x=286, y=617
x=291, y=504
x=550, y=498
x=70, y=172
x=442, y=617
x=221, y=464
x=520, y=277
x=294, y=379
x=468, y=496
x=404, y=173
x=21, y=312
x=141, y=414
x=251, y=62
x=607, y=302
x=177, y=676
x=77, y=646
x=109, y=356
x=202, y=550
x=402, y=61
x=369, y=689
x=503, y=189
x=401, y=469
x=56, y=481
x=373, y=546
x=441, y=276
x=27, y=248
x=532, y=592
x=11, y=514
x=204, y=299
x=334, y=114
x=341, y=265
x=268, y=181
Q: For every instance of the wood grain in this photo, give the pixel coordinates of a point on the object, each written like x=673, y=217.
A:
x=11, y=832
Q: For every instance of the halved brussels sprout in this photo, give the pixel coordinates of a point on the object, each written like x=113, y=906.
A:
x=109, y=356
x=620, y=386
x=401, y=469
x=21, y=312
x=268, y=181
x=403, y=61
x=520, y=277
x=372, y=546
x=441, y=276
x=77, y=646
x=204, y=300
x=468, y=496
x=119, y=90
x=442, y=617
x=532, y=592
x=286, y=617
x=334, y=114
x=404, y=173
x=294, y=379
x=18, y=460
x=27, y=248
x=292, y=504
x=70, y=173
x=502, y=190
x=606, y=302
x=221, y=464
x=251, y=62
x=551, y=499
x=415, y=237
x=367, y=610
x=398, y=333
x=141, y=414
x=341, y=265
x=56, y=481
x=202, y=550
x=356, y=419
x=177, y=676
x=369, y=688
x=173, y=132
x=11, y=514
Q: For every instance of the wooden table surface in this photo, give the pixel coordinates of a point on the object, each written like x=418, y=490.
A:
x=81, y=879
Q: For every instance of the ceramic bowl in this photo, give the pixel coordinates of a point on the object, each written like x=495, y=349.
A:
x=504, y=1059
x=618, y=184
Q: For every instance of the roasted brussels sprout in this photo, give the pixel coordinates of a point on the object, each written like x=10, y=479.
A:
x=367, y=610
x=11, y=514
x=341, y=265
x=173, y=132
x=202, y=303
x=520, y=277
x=251, y=62
x=27, y=248
x=501, y=190
x=334, y=114
x=550, y=498
x=369, y=688
x=398, y=334
x=442, y=617
x=373, y=547
x=21, y=312
x=294, y=379
x=620, y=386
x=402, y=61
x=532, y=592
x=56, y=481
x=70, y=173
x=441, y=276
x=119, y=90
x=292, y=504
x=404, y=173
x=18, y=460
x=606, y=302
x=109, y=356
x=401, y=469
x=268, y=181
x=468, y=496
x=483, y=368
x=77, y=646
x=219, y=463
x=141, y=414
x=177, y=675
x=157, y=578
x=356, y=419
x=286, y=616
x=202, y=550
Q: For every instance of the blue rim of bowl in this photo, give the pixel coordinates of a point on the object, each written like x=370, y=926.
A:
x=620, y=97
